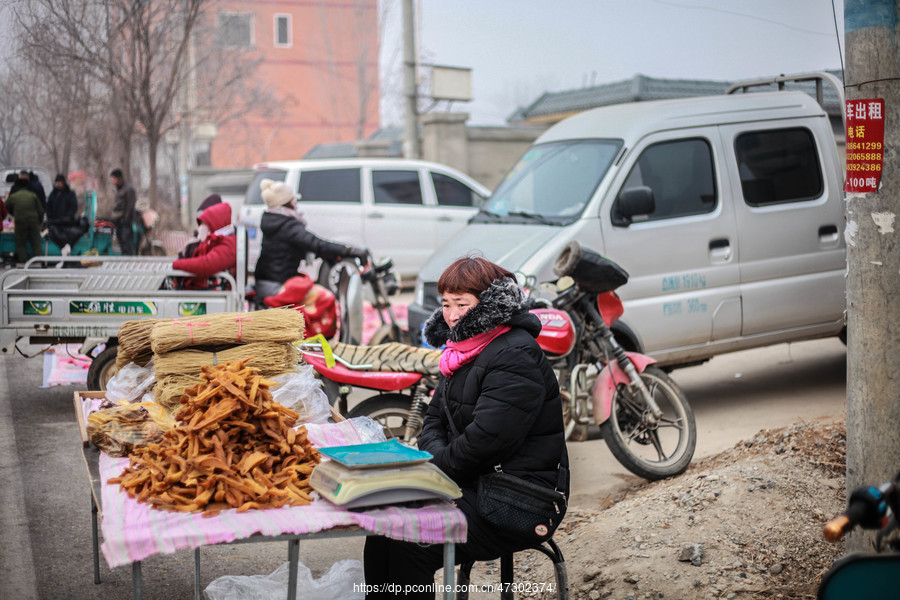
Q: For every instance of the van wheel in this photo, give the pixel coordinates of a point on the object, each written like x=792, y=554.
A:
x=843, y=335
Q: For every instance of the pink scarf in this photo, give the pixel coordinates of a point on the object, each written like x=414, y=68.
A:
x=456, y=354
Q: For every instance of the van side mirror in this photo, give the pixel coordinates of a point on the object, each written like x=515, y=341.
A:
x=633, y=202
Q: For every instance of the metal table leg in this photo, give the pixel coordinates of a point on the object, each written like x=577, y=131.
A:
x=96, y=539
x=137, y=583
x=197, y=573
x=293, y=559
x=449, y=569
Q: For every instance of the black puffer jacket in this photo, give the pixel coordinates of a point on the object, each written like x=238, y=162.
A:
x=62, y=206
x=285, y=242
x=505, y=404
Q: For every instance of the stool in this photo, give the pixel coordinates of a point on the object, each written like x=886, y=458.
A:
x=548, y=548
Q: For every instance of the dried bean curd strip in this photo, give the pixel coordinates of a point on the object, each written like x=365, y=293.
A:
x=232, y=447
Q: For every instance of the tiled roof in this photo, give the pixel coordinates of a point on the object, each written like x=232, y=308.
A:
x=641, y=88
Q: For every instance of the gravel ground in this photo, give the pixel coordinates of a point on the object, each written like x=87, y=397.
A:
x=746, y=523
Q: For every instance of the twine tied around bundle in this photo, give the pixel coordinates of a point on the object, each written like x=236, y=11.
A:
x=190, y=325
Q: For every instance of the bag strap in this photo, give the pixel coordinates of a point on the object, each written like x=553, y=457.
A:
x=445, y=385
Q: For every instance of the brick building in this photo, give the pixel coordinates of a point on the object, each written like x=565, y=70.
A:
x=318, y=61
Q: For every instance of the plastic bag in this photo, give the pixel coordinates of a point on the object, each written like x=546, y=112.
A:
x=370, y=431
x=120, y=428
x=343, y=581
x=130, y=382
x=299, y=390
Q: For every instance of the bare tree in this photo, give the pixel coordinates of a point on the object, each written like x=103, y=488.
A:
x=13, y=124
x=137, y=57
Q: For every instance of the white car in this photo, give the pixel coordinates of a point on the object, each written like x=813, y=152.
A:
x=397, y=208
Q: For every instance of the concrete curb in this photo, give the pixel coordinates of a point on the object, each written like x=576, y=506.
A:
x=16, y=562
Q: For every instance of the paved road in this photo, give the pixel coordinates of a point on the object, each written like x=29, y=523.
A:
x=733, y=397
x=45, y=506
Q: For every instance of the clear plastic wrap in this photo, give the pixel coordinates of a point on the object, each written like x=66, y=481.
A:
x=130, y=382
x=343, y=581
x=370, y=431
x=118, y=429
x=299, y=390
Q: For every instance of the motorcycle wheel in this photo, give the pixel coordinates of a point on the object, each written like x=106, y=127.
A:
x=391, y=410
x=658, y=452
x=387, y=333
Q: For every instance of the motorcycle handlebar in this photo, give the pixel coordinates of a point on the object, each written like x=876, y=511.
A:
x=841, y=525
x=867, y=508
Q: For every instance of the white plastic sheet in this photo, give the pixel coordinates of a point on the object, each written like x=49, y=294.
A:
x=343, y=581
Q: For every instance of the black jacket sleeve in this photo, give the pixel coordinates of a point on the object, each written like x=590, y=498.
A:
x=512, y=392
x=300, y=237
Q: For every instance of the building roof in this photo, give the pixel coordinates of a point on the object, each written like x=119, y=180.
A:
x=388, y=140
x=554, y=106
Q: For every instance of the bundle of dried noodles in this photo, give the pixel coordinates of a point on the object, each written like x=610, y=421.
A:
x=134, y=342
x=232, y=447
x=270, y=359
x=134, y=336
x=226, y=329
x=169, y=390
x=123, y=358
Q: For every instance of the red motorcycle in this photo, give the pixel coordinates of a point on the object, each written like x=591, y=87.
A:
x=644, y=416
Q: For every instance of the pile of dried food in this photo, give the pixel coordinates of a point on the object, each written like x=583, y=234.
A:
x=232, y=447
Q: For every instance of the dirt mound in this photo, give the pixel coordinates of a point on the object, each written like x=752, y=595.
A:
x=746, y=523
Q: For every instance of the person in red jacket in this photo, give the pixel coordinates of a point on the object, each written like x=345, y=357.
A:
x=216, y=251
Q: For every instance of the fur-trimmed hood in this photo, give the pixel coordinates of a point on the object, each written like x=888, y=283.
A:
x=502, y=303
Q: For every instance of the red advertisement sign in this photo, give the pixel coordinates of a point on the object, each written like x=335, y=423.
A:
x=865, y=144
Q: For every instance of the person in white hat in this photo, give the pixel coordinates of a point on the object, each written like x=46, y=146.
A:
x=286, y=241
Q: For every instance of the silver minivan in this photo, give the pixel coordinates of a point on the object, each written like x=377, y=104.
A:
x=726, y=212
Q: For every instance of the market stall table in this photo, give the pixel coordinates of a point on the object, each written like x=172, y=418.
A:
x=133, y=531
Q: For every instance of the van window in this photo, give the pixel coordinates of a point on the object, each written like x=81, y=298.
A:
x=254, y=194
x=779, y=165
x=680, y=173
x=452, y=192
x=397, y=187
x=329, y=185
x=551, y=184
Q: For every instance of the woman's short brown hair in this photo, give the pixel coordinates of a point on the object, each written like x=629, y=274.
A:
x=471, y=275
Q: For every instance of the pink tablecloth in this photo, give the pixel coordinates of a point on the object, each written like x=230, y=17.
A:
x=133, y=531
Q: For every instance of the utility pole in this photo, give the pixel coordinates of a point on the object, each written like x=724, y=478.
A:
x=873, y=257
x=410, y=91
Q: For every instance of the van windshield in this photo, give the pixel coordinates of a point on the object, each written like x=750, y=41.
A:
x=551, y=184
x=254, y=194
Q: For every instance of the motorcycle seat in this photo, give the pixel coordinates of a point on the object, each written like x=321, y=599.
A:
x=391, y=357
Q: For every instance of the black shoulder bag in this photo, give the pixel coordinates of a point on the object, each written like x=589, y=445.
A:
x=527, y=510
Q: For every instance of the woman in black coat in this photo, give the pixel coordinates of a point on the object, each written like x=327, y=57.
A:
x=286, y=241
x=503, y=397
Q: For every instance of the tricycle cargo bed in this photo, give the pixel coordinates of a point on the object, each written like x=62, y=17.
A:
x=88, y=304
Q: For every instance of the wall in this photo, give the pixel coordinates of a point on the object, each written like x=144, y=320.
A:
x=484, y=153
x=316, y=80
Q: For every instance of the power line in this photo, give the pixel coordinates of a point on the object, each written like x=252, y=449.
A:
x=740, y=14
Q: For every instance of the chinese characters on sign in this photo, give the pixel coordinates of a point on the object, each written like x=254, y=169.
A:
x=865, y=144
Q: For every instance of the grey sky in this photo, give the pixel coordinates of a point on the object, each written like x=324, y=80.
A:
x=518, y=49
